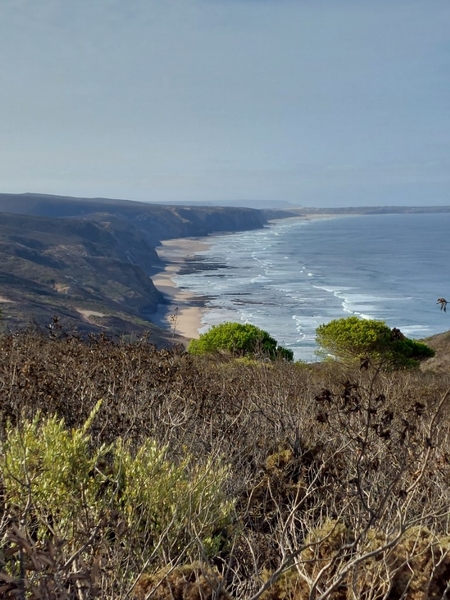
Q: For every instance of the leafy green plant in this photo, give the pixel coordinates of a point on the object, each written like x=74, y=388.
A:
x=352, y=339
x=239, y=339
x=184, y=503
x=62, y=488
x=50, y=471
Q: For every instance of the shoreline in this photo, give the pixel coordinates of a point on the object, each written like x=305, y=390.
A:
x=182, y=313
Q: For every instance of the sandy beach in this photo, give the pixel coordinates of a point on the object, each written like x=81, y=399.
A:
x=183, y=313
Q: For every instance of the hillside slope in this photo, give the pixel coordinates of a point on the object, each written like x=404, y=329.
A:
x=76, y=270
x=90, y=262
x=441, y=345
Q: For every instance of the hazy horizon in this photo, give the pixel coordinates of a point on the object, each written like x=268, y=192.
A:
x=320, y=103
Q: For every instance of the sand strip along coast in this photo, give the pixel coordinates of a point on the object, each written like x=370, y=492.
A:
x=183, y=312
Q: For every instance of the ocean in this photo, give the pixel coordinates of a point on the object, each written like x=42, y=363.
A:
x=296, y=274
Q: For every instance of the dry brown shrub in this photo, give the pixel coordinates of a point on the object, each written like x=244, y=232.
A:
x=295, y=461
x=43, y=570
x=186, y=582
x=289, y=586
x=416, y=568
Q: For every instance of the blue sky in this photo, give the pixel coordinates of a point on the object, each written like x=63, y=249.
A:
x=317, y=102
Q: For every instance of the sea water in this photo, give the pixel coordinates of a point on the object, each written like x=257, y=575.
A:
x=296, y=274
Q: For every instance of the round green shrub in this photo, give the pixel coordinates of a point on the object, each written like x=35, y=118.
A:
x=351, y=339
x=239, y=339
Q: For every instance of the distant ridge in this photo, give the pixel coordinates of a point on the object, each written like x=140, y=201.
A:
x=38, y=203
x=372, y=210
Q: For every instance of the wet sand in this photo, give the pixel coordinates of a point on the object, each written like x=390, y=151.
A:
x=183, y=312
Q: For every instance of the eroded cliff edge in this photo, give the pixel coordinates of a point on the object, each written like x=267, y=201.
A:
x=89, y=262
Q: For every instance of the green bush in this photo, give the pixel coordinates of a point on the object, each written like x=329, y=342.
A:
x=353, y=339
x=64, y=489
x=239, y=340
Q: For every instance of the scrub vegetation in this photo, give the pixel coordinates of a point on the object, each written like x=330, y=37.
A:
x=239, y=339
x=359, y=340
x=133, y=472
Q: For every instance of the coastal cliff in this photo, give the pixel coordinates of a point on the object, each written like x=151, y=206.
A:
x=90, y=262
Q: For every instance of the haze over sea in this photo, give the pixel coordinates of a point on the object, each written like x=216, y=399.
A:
x=296, y=274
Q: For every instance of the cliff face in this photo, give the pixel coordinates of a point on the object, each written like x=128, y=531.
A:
x=74, y=269
x=161, y=223
x=90, y=261
x=156, y=221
